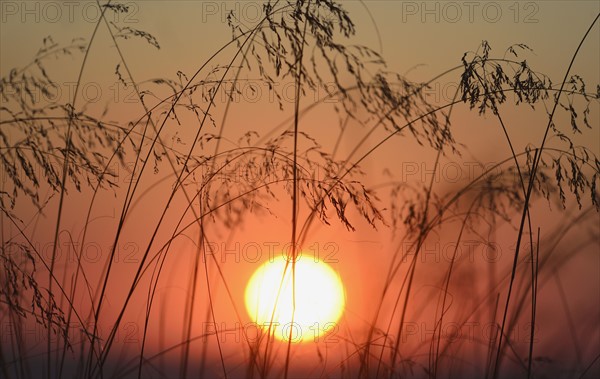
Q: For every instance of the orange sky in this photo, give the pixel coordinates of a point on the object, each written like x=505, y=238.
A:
x=418, y=40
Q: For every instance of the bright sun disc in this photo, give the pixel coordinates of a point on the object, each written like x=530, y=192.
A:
x=319, y=296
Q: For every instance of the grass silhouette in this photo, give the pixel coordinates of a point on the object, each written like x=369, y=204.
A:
x=50, y=151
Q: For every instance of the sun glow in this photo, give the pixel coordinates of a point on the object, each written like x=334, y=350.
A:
x=318, y=294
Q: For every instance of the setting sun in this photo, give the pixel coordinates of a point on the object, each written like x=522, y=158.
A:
x=318, y=294
x=299, y=189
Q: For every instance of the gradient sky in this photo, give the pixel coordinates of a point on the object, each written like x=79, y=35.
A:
x=417, y=39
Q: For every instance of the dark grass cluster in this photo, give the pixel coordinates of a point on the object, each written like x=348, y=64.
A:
x=49, y=150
